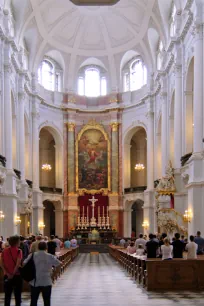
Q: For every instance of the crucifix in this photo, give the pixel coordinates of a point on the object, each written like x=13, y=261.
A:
x=93, y=220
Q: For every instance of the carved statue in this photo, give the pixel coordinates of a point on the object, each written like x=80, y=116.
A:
x=167, y=183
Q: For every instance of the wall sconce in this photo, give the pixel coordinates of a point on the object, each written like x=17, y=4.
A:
x=2, y=216
x=187, y=217
x=28, y=224
x=145, y=224
x=41, y=226
x=17, y=220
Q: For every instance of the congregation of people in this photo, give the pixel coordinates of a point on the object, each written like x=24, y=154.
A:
x=160, y=246
x=17, y=251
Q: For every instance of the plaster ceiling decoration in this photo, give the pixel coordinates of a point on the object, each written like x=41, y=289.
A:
x=87, y=30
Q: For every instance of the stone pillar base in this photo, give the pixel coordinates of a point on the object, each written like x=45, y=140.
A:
x=149, y=211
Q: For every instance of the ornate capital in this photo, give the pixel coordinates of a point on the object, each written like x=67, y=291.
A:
x=71, y=126
x=149, y=114
x=36, y=115
x=114, y=126
x=21, y=96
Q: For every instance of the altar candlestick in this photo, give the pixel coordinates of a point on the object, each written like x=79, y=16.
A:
x=87, y=212
x=98, y=212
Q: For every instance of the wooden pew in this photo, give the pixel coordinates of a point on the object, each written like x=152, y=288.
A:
x=157, y=274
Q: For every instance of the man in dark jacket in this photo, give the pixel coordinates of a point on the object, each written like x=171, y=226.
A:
x=178, y=246
x=151, y=247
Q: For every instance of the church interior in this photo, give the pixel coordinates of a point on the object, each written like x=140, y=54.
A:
x=102, y=137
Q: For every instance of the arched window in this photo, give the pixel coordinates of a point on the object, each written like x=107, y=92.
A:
x=134, y=75
x=50, y=75
x=173, y=22
x=159, y=55
x=92, y=82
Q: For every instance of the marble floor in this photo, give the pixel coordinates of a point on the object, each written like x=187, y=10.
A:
x=105, y=283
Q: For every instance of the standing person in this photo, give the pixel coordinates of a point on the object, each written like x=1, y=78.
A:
x=43, y=282
x=178, y=246
x=151, y=247
x=10, y=262
x=51, y=245
x=191, y=248
x=58, y=243
x=139, y=241
x=200, y=242
x=34, y=245
x=166, y=250
x=24, y=247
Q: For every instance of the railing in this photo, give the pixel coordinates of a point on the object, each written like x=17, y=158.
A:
x=135, y=189
x=3, y=160
x=51, y=190
x=185, y=158
x=18, y=173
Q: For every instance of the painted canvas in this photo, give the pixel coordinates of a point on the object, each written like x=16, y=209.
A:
x=93, y=160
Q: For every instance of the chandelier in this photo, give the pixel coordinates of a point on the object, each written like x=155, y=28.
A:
x=94, y=2
x=139, y=167
x=46, y=167
x=2, y=216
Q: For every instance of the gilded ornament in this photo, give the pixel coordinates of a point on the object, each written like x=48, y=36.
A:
x=71, y=126
x=114, y=126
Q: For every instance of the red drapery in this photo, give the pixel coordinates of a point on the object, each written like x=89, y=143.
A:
x=100, y=205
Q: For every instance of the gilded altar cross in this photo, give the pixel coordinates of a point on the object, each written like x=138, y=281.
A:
x=93, y=220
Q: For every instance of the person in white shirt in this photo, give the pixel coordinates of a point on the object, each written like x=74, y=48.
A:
x=192, y=248
x=140, y=251
x=140, y=240
x=166, y=250
x=122, y=242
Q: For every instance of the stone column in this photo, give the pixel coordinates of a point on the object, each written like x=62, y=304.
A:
x=150, y=150
x=2, y=133
x=164, y=132
x=198, y=90
x=37, y=215
x=21, y=122
x=114, y=157
x=178, y=117
x=59, y=221
x=71, y=158
x=9, y=203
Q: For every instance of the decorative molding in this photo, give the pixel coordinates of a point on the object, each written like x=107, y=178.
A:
x=114, y=126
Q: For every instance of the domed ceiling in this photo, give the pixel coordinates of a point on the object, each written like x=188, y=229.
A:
x=88, y=31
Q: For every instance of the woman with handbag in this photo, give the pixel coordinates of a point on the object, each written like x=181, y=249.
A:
x=10, y=261
x=43, y=267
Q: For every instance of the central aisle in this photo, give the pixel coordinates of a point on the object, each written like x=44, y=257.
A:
x=106, y=284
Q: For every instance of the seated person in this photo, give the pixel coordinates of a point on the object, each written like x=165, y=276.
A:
x=131, y=248
x=122, y=242
x=140, y=250
x=73, y=242
x=67, y=243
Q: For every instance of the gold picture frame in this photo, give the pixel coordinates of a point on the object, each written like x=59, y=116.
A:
x=92, y=125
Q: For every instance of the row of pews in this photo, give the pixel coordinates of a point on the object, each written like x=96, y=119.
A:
x=157, y=275
x=65, y=256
